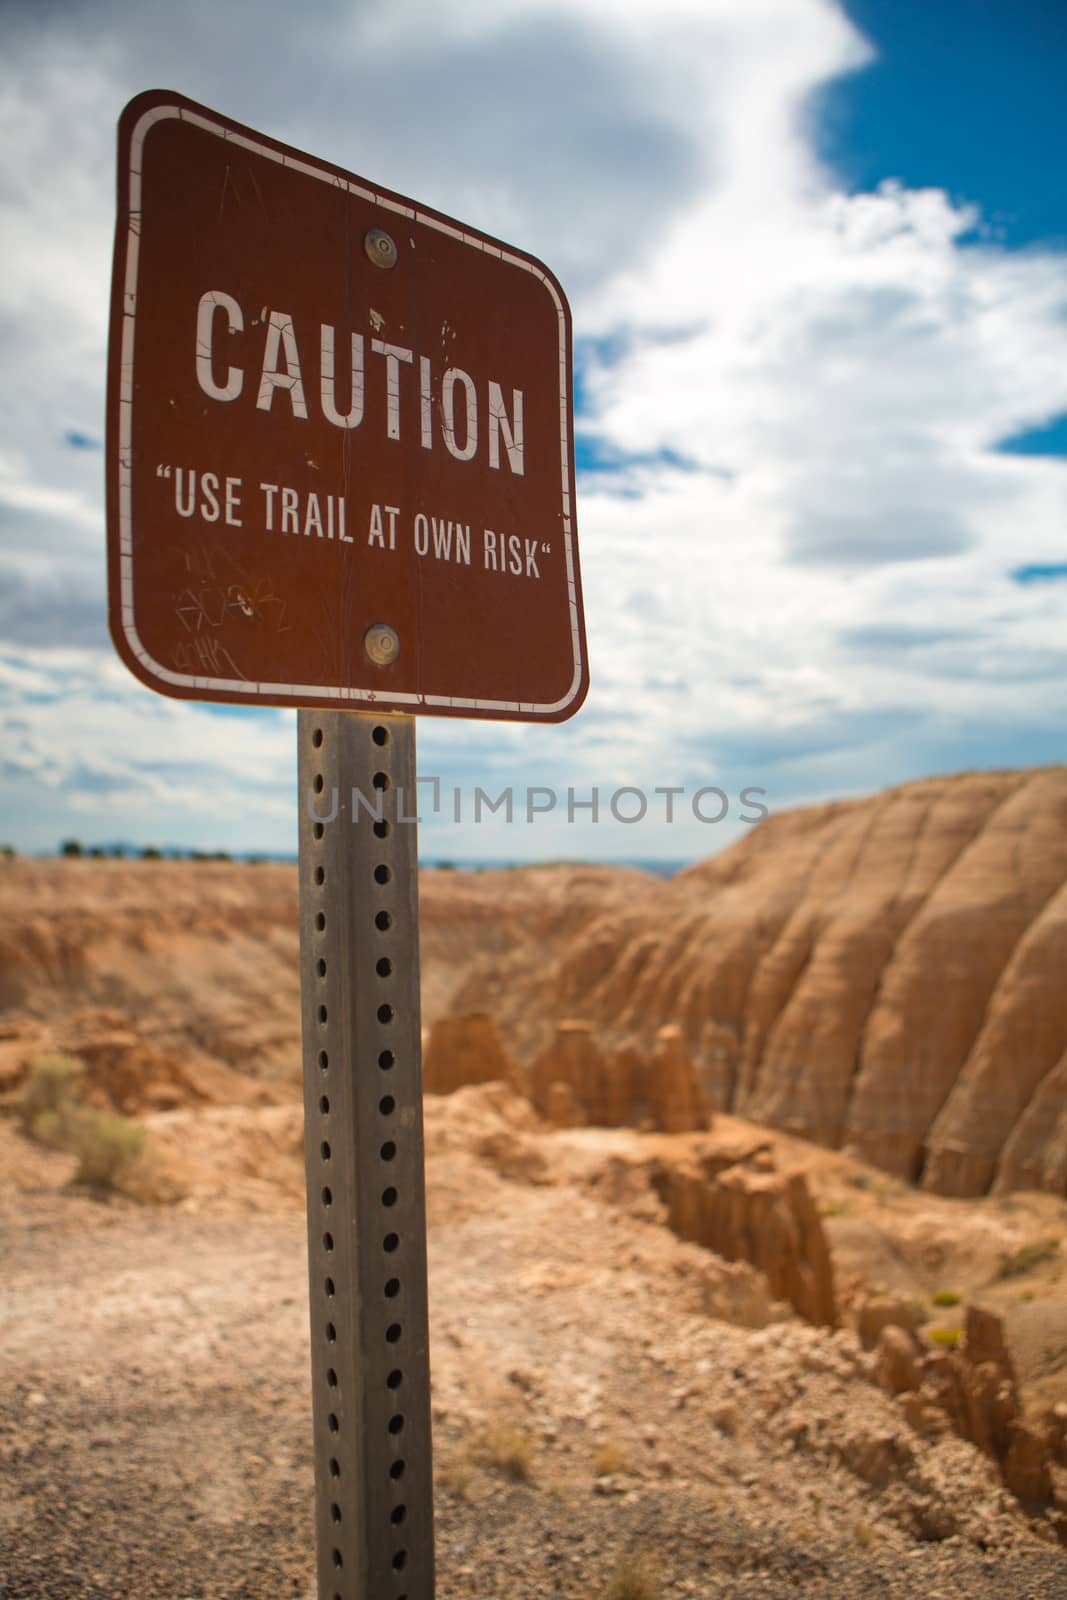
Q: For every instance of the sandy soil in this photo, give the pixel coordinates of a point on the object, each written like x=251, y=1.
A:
x=155, y=1417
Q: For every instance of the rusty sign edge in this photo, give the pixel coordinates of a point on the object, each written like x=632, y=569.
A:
x=139, y=115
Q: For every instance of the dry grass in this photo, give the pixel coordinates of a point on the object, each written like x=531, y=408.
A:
x=948, y=1337
x=454, y=1477
x=52, y=1112
x=105, y=1146
x=53, y=1085
x=506, y=1449
x=632, y=1578
x=610, y=1459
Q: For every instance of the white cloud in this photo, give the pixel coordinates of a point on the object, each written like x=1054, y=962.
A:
x=81, y=739
x=852, y=398
x=19, y=492
x=819, y=602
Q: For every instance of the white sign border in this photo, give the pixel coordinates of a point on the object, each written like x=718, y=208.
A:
x=307, y=694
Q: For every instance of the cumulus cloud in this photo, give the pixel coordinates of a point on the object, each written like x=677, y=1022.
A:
x=797, y=533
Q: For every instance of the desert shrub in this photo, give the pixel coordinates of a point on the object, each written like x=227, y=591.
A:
x=508, y=1450
x=1030, y=1256
x=631, y=1579
x=70, y=847
x=150, y=853
x=949, y=1337
x=104, y=1144
x=53, y=1084
x=946, y=1297
x=454, y=1478
x=52, y=1113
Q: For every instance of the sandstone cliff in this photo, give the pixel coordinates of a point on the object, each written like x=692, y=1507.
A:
x=975, y=1392
x=462, y=1051
x=881, y=976
x=750, y=1211
x=573, y=1081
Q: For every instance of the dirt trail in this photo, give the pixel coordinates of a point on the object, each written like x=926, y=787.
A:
x=155, y=1415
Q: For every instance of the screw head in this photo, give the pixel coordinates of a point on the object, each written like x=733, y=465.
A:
x=382, y=644
x=380, y=248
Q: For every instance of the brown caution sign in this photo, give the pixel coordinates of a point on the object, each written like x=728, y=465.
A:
x=340, y=458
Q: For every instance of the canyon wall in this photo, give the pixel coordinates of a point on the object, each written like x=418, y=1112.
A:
x=883, y=976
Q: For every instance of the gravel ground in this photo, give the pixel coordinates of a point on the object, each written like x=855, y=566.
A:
x=155, y=1439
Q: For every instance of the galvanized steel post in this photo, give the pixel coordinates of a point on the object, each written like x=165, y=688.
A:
x=359, y=940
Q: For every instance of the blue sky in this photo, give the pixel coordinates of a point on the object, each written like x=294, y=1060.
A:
x=817, y=258
x=965, y=95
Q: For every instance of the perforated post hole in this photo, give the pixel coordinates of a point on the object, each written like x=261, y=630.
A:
x=364, y=1153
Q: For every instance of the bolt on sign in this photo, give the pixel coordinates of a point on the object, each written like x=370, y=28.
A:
x=340, y=463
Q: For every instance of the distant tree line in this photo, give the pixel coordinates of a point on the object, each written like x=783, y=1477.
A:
x=74, y=849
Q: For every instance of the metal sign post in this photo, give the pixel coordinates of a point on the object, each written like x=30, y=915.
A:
x=340, y=475
x=359, y=942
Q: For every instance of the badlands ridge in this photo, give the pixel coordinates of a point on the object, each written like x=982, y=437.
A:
x=881, y=976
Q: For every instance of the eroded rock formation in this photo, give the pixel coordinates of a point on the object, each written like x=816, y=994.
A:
x=879, y=975
x=464, y=1050
x=573, y=1080
x=971, y=1390
x=749, y=1211
x=570, y=1082
x=124, y=1069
